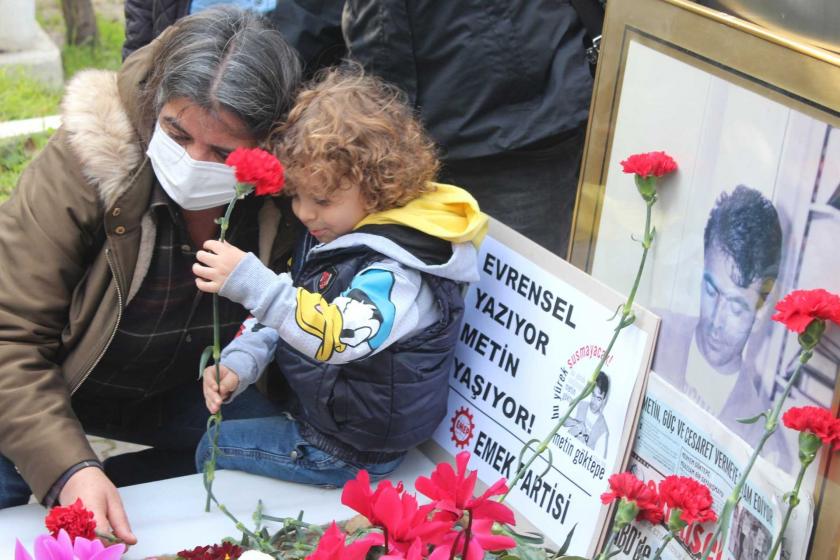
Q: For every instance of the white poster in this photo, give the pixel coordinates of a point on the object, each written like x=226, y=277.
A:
x=529, y=343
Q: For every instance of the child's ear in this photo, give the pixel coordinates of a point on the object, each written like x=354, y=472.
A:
x=370, y=205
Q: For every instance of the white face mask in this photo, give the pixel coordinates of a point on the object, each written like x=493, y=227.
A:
x=193, y=185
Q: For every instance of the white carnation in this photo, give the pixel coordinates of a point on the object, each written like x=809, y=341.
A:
x=255, y=555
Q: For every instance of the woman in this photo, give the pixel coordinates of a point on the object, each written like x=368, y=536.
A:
x=101, y=326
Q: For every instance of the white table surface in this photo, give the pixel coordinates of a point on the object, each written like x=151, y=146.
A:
x=168, y=515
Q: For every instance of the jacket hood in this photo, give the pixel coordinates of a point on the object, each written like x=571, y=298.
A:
x=101, y=113
x=460, y=266
x=413, y=234
x=448, y=212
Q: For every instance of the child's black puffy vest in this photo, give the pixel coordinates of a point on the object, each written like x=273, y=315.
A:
x=374, y=409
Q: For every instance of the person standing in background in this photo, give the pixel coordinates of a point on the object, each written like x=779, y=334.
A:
x=503, y=87
x=146, y=19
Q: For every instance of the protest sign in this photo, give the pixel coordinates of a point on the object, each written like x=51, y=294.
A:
x=534, y=330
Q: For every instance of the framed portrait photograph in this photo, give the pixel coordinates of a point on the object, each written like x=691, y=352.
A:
x=752, y=118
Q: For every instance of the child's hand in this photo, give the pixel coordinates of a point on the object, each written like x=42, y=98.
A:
x=213, y=393
x=217, y=262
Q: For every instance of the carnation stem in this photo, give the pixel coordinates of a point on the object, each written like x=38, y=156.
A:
x=661, y=549
x=646, y=243
x=454, y=550
x=264, y=546
x=627, y=319
x=607, y=552
x=112, y=539
x=213, y=425
x=793, y=501
x=467, y=535
x=770, y=425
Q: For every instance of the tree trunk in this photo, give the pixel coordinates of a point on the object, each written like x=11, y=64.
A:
x=80, y=21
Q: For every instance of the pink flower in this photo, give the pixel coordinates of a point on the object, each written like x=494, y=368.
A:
x=816, y=420
x=693, y=499
x=48, y=547
x=332, y=546
x=403, y=522
x=395, y=512
x=414, y=552
x=358, y=496
x=453, y=492
x=481, y=540
x=800, y=307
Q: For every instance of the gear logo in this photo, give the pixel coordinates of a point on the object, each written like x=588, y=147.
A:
x=462, y=427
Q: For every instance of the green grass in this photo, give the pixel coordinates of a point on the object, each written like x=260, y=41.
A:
x=15, y=154
x=22, y=97
x=106, y=55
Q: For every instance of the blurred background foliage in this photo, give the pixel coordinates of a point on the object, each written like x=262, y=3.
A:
x=22, y=97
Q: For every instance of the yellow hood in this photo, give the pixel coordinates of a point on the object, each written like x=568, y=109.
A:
x=448, y=212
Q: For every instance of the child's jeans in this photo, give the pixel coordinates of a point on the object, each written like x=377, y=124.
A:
x=273, y=447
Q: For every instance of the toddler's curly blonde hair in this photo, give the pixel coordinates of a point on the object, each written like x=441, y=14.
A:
x=347, y=128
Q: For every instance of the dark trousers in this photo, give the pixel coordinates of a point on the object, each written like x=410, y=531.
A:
x=172, y=424
x=531, y=189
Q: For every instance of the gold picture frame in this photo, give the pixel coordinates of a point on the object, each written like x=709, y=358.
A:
x=767, y=73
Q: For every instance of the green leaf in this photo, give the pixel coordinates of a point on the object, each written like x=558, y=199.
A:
x=525, y=537
x=752, y=419
x=530, y=538
x=202, y=363
x=565, y=546
x=528, y=545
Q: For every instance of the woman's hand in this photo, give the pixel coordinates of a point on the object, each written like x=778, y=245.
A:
x=215, y=263
x=101, y=497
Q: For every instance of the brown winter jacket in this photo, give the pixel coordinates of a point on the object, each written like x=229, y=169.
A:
x=75, y=243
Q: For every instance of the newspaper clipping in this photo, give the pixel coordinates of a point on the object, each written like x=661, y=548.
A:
x=675, y=436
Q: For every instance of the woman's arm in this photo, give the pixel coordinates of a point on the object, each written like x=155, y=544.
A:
x=48, y=232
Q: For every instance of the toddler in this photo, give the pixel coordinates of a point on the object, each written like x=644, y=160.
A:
x=364, y=325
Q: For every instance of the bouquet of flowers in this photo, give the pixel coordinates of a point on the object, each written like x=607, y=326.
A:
x=455, y=522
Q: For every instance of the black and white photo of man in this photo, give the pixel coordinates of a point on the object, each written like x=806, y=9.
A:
x=703, y=356
x=589, y=424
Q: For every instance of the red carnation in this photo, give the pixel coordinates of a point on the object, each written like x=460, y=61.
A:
x=75, y=519
x=223, y=551
x=331, y=545
x=654, y=164
x=259, y=168
x=691, y=498
x=631, y=490
x=452, y=492
x=800, y=307
x=396, y=512
x=816, y=420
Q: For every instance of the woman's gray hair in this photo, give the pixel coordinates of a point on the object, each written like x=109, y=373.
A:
x=225, y=58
